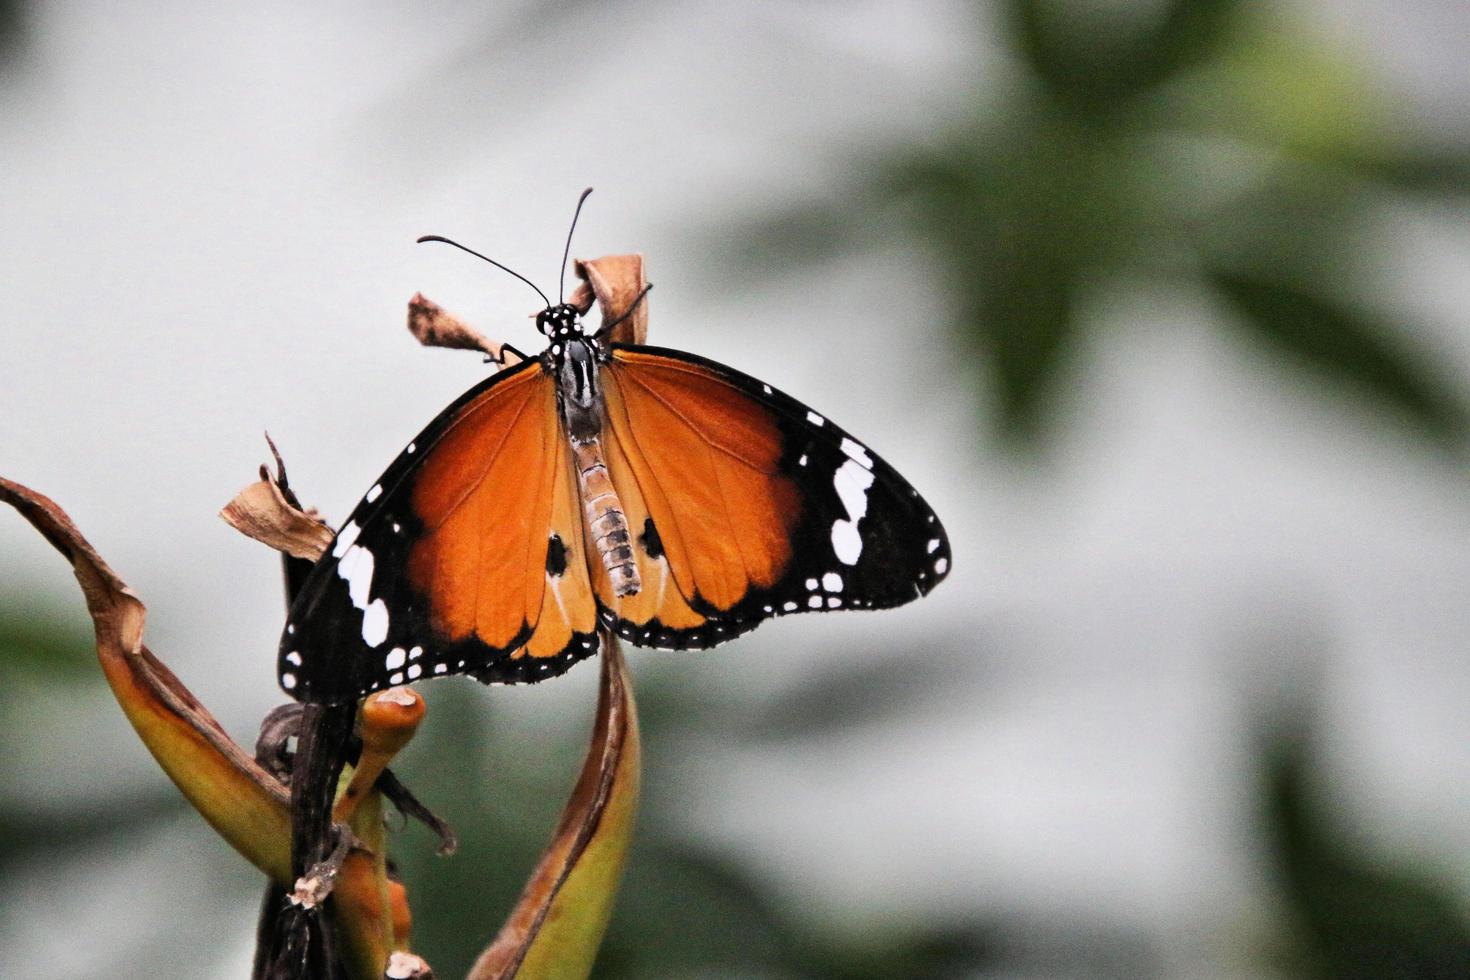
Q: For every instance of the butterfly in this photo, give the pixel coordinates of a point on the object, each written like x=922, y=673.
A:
x=657, y=494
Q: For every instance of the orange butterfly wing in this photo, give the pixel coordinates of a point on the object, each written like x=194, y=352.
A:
x=700, y=460
x=466, y=557
x=659, y=610
x=564, y=632
x=484, y=484
x=745, y=504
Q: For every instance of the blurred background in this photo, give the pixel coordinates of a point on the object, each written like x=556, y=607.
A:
x=1161, y=304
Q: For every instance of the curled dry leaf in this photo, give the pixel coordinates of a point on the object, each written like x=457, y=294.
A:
x=239, y=798
x=246, y=804
x=261, y=511
x=433, y=326
x=557, y=926
x=615, y=281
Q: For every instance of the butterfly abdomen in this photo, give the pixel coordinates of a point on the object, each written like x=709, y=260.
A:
x=605, y=518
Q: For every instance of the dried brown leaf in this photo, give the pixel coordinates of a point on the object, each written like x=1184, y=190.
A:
x=244, y=802
x=616, y=282
x=433, y=326
x=247, y=805
x=261, y=511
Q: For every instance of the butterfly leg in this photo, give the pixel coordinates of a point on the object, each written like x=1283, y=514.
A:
x=508, y=355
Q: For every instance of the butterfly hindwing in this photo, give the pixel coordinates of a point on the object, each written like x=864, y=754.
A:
x=566, y=628
x=446, y=566
x=758, y=505
x=659, y=614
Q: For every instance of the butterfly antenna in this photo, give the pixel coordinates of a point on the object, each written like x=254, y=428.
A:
x=566, y=252
x=446, y=241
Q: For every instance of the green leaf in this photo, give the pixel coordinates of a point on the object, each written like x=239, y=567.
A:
x=111, y=822
x=1095, y=55
x=46, y=644
x=1347, y=346
x=1020, y=219
x=692, y=912
x=1356, y=914
x=15, y=33
x=874, y=686
x=1415, y=170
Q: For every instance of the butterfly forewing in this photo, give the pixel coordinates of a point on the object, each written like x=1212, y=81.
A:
x=448, y=565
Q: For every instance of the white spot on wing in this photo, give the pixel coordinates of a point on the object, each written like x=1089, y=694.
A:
x=414, y=670
x=789, y=607
x=345, y=539
x=411, y=447
x=814, y=418
x=766, y=389
x=941, y=566
x=375, y=623
x=555, y=583
x=356, y=568
x=374, y=493
x=815, y=602
x=811, y=585
x=851, y=482
x=832, y=582
x=847, y=544
x=933, y=545
x=293, y=658
x=857, y=452
x=395, y=658
x=288, y=681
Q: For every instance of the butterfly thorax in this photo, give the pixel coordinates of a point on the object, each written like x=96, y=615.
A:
x=573, y=359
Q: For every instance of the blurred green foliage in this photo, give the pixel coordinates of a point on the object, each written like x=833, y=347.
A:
x=13, y=17
x=1355, y=914
x=47, y=643
x=684, y=910
x=46, y=650
x=1213, y=144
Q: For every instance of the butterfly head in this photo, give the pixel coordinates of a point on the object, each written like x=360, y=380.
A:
x=560, y=322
